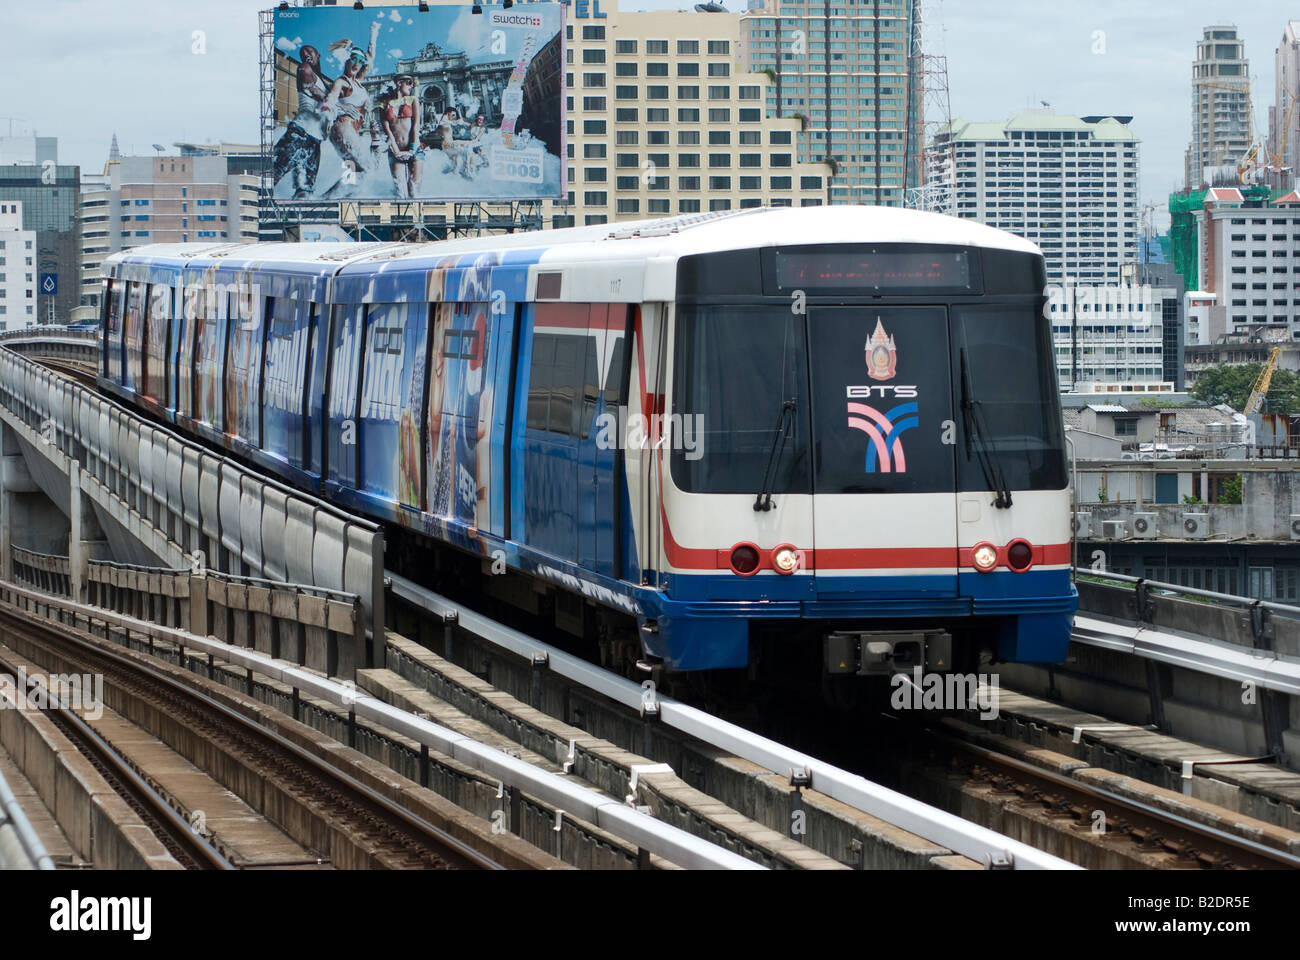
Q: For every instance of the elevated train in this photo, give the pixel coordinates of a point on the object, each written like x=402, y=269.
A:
x=763, y=438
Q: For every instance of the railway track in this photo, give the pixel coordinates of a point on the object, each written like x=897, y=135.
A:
x=377, y=831
x=1090, y=810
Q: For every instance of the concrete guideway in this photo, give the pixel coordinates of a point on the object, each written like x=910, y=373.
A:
x=137, y=493
x=969, y=840
x=574, y=798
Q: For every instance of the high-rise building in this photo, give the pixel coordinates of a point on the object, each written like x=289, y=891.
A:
x=17, y=269
x=1221, y=125
x=1069, y=184
x=845, y=68
x=1284, y=114
x=31, y=175
x=663, y=118
x=162, y=199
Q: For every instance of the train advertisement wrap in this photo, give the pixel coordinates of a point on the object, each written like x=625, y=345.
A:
x=393, y=103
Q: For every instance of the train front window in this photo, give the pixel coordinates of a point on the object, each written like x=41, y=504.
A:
x=740, y=410
x=1006, y=353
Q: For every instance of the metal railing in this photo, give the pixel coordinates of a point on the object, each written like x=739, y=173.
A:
x=938, y=826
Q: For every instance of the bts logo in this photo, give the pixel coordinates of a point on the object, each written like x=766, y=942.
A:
x=884, y=448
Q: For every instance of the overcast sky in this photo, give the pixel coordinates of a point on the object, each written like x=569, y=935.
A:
x=158, y=71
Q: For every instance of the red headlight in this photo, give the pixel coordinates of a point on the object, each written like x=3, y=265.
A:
x=744, y=559
x=1020, y=556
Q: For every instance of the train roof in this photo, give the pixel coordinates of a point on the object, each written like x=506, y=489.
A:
x=668, y=237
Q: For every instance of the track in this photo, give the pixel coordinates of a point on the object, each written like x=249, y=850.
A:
x=1152, y=830
x=391, y=836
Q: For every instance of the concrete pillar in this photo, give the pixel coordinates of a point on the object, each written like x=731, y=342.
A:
x=1139, y=476
x=77, y=546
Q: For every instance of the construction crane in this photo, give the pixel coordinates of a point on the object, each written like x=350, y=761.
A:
x=1260, y=389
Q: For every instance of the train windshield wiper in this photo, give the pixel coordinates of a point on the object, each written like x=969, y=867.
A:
x=784, y=425
x=977, y=433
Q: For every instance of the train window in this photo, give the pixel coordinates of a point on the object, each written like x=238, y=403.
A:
x=283, y=372
x=244, y=371
x=113, y=355
x=720, y=354
x=564, y=375
x=209, y=351
x=1012, y=379
x=188, y=320
x=392, y=397
x=345, y=349
x=133, y=333
x=156, y=342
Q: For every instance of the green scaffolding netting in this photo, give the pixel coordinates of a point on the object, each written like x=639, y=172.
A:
x=1182, y=234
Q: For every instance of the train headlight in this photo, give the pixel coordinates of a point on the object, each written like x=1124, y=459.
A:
x=785, y=559
x=984, y=557
x=744, y=559
x=1020, y=556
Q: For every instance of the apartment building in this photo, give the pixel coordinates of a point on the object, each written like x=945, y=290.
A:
x=163, y=199
x=844, y=67
x=17, y=269
x=663, y=118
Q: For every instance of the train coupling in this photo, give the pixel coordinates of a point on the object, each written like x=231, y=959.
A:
x=873, y=653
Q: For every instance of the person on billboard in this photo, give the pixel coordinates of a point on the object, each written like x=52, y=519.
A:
x=445, y=137
x=347, y=104
x=299, y=149
x=402, y=125
x=471, y=152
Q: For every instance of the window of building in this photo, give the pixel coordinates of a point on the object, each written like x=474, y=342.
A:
x=593, y=127
x=656, y=46
x=593, y=55
x=688, y=115
x=625, y=46
x=656, y=69
x=688, y=93
x=688, y=138
x=688, y=47
x=687, y=69
x=590, y=32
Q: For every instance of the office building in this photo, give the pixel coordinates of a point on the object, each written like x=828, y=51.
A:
x=46, y=191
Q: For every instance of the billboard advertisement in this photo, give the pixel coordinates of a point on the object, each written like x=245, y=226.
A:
x=391, y=103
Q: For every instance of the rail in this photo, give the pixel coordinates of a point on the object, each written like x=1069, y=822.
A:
x=31, y=853
x=938, y=826
x=562, y=793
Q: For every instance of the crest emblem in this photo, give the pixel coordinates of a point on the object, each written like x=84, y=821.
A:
x=882, y=355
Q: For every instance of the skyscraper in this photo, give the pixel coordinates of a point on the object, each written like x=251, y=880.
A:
x=1284, y=114
x=1068, y=184
x=846, y=68
x=1221, y=127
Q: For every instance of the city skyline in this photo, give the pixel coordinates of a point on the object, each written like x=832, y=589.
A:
x=1107, y=57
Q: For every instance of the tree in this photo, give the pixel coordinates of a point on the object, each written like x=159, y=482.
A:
x=1230, y=491
x=1231, y=383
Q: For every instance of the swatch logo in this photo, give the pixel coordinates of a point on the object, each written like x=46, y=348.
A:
x=884, y=447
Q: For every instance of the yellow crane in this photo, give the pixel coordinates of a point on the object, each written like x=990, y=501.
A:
x=1258, y=391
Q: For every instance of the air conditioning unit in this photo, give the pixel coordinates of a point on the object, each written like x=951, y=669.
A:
x=1295, y=526
x=1081, y=524
x=1144, y=526
x=1114, y=529
x=1196, y=526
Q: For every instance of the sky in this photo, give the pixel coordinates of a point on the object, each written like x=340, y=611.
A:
x=159, y=71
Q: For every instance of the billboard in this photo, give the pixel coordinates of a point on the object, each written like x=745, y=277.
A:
x=393, y=103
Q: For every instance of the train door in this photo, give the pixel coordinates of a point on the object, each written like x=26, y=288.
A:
x=598, y=512
x=885, y=511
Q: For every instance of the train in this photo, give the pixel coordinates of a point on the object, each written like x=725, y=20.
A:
x=822, y=438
